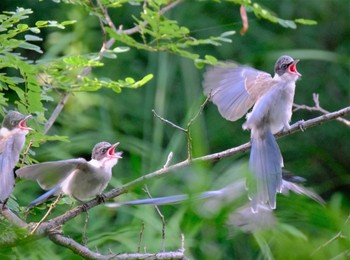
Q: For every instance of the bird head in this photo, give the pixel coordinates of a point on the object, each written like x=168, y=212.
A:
x=14, y=119
x=286, y=64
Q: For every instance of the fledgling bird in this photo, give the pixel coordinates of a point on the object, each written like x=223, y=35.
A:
x=12, y=138
x=78, y=178
x=234, y=90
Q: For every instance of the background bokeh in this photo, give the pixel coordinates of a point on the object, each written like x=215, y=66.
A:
x=320, y=154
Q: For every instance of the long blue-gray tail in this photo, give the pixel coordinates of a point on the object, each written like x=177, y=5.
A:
x=44, y=197
x=266, y=164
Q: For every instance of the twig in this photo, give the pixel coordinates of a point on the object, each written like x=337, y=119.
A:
x=168, y=122
x=168, y=160
x=83, y=237
x=189, y=124
x=52, y=206
x=26, y=152
x=160, y=215
x=338, y=235
x=318, y=108
x=140, y=240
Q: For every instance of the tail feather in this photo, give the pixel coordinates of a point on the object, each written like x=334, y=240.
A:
x=266, y=165
x=44, y=197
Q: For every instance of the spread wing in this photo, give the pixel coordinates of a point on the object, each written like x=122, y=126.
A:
x=9, y=156
x=51, y=174
x=234, y=89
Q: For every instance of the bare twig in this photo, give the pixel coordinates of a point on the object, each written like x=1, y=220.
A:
x=52, y=206
x=168, y=122
x=140, y=240
x=318, y=108
x=188, y=132
x=83, y=237
x=168, y=160
x=26, y=152
x=160, y=215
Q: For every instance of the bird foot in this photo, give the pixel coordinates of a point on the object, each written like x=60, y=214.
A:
x=300, y=124
x=101, y=198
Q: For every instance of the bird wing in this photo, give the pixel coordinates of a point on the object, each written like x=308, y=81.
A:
x=234, y=89
x=8, y=159
x=50, y=174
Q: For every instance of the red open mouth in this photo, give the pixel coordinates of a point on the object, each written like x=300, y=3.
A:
x=23, y=124
x=111, y=151
x=293, y=68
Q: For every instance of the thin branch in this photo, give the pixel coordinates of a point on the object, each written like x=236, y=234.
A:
x=160, y=215
x=140, y=240
x=52, y=206
x=168, y=122
x=189, y=124
x=318, y=108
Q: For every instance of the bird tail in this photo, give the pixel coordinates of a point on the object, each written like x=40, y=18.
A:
x=266, y=164
x=175, y=199
x=44, y=197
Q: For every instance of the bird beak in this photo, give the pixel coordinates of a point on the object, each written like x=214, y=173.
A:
x=293, y=68
x=111, y=152
x=23, y=124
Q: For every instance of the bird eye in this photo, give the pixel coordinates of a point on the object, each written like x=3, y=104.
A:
x=284, y=66
x=104, y=150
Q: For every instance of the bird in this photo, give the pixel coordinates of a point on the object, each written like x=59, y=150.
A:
x=12, y=138
x=78, y=178
x=230, y=192
x=234, y=89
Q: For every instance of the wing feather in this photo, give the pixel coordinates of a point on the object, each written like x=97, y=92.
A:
x=51, y=174
x=8, y=160
x=234, y=89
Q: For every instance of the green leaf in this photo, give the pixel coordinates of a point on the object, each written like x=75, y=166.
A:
x=41, y=23
x=121, y=49
x=305, y=21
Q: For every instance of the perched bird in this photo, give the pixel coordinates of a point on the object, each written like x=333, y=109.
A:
x=234, y=90
x=78, y=178
x=12, y=139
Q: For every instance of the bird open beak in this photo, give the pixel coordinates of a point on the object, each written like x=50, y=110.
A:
x=111, y=152
x=23, y=124
x=293, y=68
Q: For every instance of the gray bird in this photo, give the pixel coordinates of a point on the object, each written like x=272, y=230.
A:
x=78, y=178
x=234, y=90
x=12, y=139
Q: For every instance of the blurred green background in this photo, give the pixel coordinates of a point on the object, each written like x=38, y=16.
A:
x=320, y=154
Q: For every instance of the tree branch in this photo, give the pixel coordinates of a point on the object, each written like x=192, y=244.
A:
x=318, y=108
x=88, y=254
